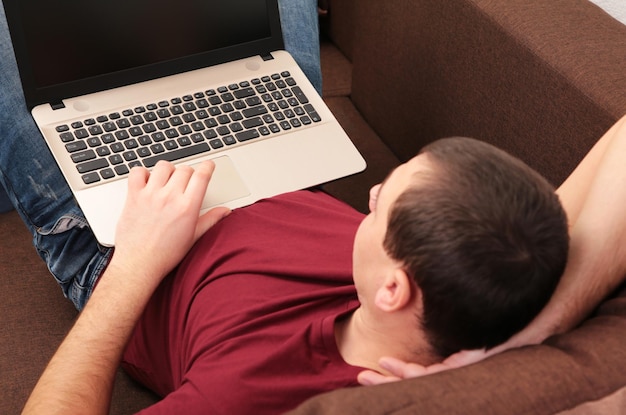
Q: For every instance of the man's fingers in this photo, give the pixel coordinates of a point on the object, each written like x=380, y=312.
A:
x=199, y=181
x=161, y=174
x=138, y=178
x=466, y=357
x=209, y=219
x=370, y=378
x=402, y=369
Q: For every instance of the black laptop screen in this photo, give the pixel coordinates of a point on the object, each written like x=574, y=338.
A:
x=73, y=40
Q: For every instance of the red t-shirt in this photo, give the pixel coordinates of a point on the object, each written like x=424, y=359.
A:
x=246, y=323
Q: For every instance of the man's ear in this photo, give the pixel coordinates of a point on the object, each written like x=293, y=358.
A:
x=396, y=292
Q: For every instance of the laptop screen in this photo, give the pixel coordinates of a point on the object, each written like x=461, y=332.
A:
x=70, y=47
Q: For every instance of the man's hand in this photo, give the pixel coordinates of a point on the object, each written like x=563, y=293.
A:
x=157, y=227
x=160, y=221
x=534, y=333
x=400, y=370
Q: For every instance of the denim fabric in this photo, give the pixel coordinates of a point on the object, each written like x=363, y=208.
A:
x=38, y=191
x=5, y=202
x=300, y=26
x=37, y=188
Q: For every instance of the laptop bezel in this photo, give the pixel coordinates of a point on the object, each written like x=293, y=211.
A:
x=55, y=94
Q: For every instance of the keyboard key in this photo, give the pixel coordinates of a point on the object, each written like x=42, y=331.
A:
x=143, y=152
x=66, y=137
x=130, y=144
x=197, y=126
x=312, y=113
x=184, y=141
x=121, y=135
x=103, y=151
x=216, y=143
x=116, y=159
x=177, y=154
x=252, y=122
x=210, y=134
x=75, y=146
x=81, y=133
x=254, y=111
x=91, y=178
x=297, y=91
x=210, y=123
x=144, y=140
x=244, y=93
x=157, y=148
x=121, y=169
x=109, y=126
x=129, y=155
x=247, y=135
x=92, y=165
x=107, y=173
x=83, y=156
x=170, y=145
x=94, y=142
x=163, y=113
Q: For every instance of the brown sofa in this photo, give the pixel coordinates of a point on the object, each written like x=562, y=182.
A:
x=541, y=79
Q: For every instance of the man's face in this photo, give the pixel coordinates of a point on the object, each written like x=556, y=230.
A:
x=370, y=260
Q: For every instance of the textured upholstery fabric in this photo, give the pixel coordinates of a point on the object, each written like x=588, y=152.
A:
x=510, y=73
x=542, y=79
x=584, y=365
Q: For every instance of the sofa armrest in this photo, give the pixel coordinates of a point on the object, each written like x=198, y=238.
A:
x=542, y=80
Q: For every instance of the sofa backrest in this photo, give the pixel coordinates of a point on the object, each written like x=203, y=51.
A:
x=542, y=80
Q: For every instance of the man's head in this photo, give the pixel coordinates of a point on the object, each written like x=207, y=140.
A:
x=482, y=235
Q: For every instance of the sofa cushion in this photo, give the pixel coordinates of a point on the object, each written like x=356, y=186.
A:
x=35, y=319
x=336, y=70
x=506, y=72
x=380, y=160
x=563, y=373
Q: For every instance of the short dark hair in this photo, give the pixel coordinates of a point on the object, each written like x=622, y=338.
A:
x=485, y=238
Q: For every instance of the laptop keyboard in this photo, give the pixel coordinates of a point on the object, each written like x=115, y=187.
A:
x=108, y=146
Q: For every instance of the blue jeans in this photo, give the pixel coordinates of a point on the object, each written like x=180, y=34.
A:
x=37, y=189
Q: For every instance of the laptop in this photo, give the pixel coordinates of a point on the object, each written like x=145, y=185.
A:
x=113, y=84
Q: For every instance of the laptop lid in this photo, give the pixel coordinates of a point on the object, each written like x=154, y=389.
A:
x=63, y=51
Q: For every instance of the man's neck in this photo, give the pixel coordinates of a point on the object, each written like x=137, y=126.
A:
x=362, y=340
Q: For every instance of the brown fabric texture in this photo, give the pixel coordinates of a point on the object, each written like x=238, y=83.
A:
x=584, y=365
x=541, y=79
x=35, y=318
x=380, y=161
x=336, y=70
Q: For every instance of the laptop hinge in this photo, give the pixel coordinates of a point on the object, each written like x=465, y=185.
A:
x=57, y=105
x=267, y=56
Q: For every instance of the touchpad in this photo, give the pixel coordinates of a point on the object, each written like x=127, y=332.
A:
x=225, y=185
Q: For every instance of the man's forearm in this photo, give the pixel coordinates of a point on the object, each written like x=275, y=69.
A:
x=79, y=378
x=158, y=226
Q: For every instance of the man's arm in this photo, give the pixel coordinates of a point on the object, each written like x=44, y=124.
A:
x=593, y=196
x=158, y=226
